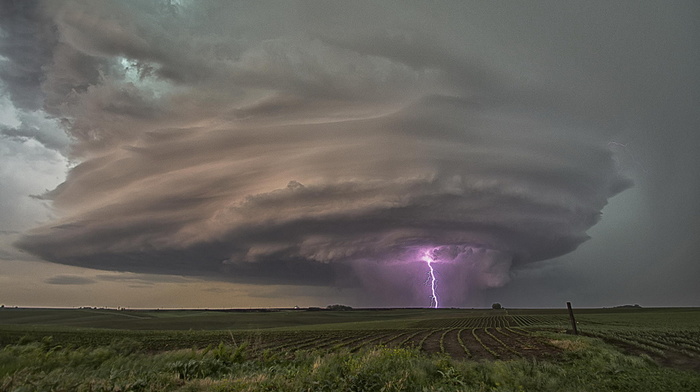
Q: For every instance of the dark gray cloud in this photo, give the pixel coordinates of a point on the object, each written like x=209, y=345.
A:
x=44, y=130
x=141, y=279
x=26, y=49
x=330, y=144
x=69, y=280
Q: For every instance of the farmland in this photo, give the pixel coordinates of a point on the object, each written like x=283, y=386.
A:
x=665, y=340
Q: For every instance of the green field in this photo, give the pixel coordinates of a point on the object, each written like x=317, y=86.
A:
x=434, y=349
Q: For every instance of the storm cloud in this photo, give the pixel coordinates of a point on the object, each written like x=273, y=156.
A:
x=69, y=280
x=304, y=143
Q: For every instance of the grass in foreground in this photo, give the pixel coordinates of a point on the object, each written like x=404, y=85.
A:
x=587, y=365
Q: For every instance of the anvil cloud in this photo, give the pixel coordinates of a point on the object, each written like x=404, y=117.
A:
x=303, y=143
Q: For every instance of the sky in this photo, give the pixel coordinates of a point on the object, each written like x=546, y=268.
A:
x=216, y=154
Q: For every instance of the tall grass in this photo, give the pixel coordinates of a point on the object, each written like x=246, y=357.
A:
x=587, y=365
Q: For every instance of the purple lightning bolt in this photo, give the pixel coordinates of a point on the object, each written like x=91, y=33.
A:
x=429, y=260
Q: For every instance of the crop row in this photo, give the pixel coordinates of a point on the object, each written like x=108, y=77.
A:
x=477, y=343
x=490, y=342
x=494, y=321
x=486, y=342
x=659, y=343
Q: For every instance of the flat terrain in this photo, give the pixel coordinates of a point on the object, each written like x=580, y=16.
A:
x=671, y=336
x=620, y=349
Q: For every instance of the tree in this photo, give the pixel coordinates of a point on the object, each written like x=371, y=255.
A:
x=496, y=306
x=338, y=307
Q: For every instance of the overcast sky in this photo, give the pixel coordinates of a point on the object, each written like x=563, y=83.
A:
x=225, y=154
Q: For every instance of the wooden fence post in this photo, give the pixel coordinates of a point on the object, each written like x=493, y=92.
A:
x=571, y=316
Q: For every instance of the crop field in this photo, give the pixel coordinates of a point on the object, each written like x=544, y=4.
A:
x=667, y=338
x=668, y=335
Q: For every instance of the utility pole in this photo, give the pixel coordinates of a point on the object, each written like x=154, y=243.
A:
x=573, y=320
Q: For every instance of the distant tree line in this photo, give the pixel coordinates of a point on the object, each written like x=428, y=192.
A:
x=338, y=307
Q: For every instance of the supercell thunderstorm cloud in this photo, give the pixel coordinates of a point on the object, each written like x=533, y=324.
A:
x=304, y=145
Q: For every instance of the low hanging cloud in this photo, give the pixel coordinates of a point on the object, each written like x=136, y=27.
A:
x=69, y=280
x=304, y=154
